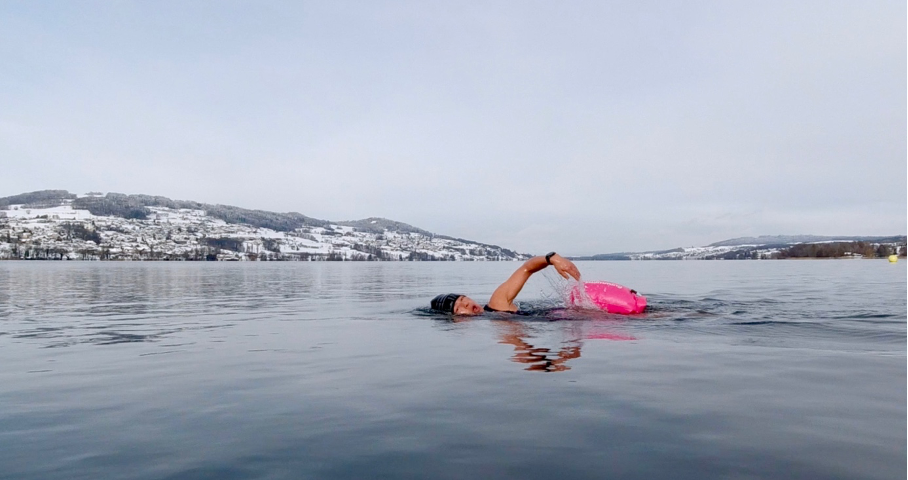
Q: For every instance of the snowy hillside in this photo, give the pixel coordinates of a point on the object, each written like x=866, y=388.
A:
x=775, y=247
x=54, y=226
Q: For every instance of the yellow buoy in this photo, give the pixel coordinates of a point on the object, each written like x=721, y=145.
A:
x=893, y=258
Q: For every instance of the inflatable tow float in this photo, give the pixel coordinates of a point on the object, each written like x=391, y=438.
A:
x=608, y=297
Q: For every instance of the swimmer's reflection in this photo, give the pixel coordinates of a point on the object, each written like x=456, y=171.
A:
x=537, y=359
x=519, y=334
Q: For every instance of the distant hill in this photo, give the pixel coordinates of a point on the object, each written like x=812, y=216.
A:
x=770, y=246
x=378, y=225
x=138, y=207
x=627, y=255
x=793, y=239
x=57, y=224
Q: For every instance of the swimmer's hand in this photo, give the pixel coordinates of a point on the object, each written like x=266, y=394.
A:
x=565, y=267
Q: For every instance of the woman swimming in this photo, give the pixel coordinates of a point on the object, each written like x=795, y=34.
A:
x=503, y=297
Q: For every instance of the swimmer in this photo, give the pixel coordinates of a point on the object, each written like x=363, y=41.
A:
x=503, y=298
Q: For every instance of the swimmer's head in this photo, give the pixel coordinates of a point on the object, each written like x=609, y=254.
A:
x=456, y=304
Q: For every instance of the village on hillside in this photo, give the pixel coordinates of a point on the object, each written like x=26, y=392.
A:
x=62, y=232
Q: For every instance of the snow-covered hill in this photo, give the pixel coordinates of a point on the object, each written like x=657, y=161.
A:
x=53, y=226
x=758, y=248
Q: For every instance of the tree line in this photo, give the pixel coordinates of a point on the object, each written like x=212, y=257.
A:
x=841, y=249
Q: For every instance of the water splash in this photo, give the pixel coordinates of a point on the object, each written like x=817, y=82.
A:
x=569, y=292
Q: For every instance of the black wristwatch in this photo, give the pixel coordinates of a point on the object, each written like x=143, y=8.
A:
x=548, y=257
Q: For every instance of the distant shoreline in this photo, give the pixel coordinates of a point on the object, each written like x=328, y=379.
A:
x=163, y=260
x=576, y=259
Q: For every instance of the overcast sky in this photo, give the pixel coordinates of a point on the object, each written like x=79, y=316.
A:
x=582, y=127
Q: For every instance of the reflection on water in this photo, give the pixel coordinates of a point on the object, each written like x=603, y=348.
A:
x=329, y=370
x=544, y=346
x=538, y=359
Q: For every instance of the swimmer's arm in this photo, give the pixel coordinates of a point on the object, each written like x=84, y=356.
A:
x=504, y=295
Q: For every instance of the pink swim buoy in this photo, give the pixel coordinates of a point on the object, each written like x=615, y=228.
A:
x=608, y=297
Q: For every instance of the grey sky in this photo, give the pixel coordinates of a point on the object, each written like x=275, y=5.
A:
x=584, y=127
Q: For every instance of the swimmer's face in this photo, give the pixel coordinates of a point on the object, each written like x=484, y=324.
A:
x=466, y=306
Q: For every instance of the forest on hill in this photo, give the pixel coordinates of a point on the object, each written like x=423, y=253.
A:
x=841, y=249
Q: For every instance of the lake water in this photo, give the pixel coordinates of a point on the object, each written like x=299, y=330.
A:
x=747, y=369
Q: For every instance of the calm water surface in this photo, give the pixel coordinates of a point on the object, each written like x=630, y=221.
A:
x=771, y=369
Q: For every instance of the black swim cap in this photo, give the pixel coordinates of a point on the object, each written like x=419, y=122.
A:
x=445, y=302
